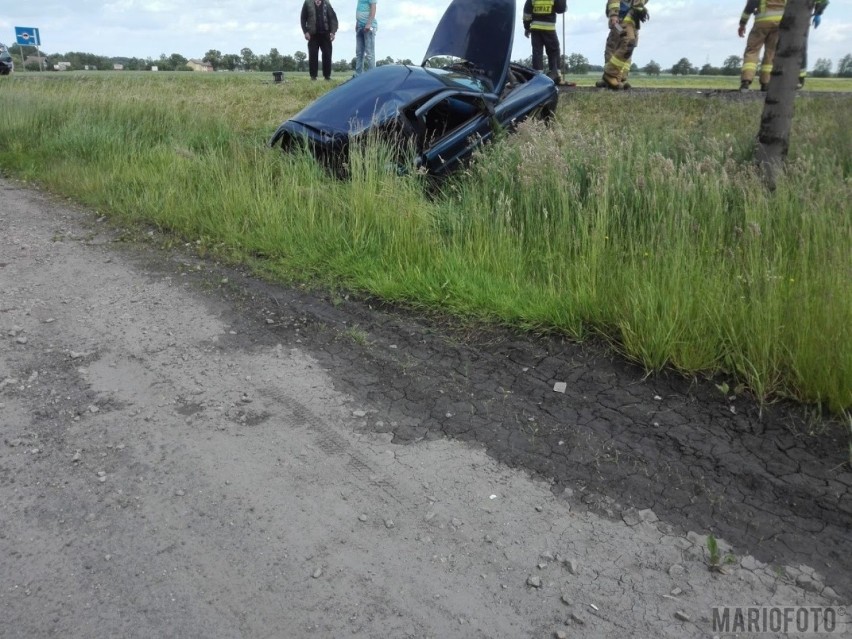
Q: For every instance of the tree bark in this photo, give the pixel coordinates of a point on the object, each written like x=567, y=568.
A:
x=773, y=139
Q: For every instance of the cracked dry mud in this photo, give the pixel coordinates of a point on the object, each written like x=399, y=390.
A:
x=188, y=451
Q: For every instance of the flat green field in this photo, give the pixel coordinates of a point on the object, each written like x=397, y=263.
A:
x=717, y=82
x=634, y=218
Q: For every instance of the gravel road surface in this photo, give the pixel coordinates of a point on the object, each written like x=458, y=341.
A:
x=188, y=451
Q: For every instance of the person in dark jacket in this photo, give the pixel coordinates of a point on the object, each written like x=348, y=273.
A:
x=539, y=18
x=319, y=24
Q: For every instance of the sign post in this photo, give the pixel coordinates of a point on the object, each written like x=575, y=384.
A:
x=28, y=37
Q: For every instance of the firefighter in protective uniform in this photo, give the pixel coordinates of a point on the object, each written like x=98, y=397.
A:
x=763, y=35
x=817, y=7
x=625, y=17
x=539, y=18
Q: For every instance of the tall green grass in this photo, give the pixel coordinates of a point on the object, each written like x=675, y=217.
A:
x=635, y=218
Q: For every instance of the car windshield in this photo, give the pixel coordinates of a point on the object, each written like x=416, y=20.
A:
x=459, y=76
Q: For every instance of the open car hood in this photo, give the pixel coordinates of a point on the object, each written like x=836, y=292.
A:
x=479, y=31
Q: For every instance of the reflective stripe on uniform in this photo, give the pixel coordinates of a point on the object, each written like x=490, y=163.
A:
x=770, y=16
x=540, y=25
x=770, y=11
x=618, y=63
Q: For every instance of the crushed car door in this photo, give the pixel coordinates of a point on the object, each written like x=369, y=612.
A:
x=450, y=126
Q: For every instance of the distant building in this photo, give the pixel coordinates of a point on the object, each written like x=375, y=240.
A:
x=62, y=66
x=199, y=65
x=118, y=67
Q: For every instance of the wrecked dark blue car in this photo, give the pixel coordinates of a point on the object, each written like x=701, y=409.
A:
x=464, y=91
x=6, y=64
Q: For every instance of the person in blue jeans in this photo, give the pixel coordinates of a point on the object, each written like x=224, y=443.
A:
x=365, y=36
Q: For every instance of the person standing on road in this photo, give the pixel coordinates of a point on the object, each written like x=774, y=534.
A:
x=365, y=36
x=625, y=18
x=817, y=7
x=319, y=24
x=763, y=35
x=539, y=18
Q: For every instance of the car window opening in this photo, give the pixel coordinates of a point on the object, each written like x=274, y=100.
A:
x=448, y=115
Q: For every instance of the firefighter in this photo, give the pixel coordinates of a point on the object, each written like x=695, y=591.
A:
x=763, y=35
x=539, y=18
x=625, y=17
x=817, y=7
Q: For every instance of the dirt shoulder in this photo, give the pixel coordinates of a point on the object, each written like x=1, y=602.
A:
x=186, y=450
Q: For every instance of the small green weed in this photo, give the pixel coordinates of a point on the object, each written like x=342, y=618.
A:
x=716, y=562
x=357, y=335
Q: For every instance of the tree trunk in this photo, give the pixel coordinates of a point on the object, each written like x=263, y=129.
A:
x=773, y=139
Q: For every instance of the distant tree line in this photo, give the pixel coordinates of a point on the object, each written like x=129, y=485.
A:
x=577, y=63
x=275, y=61
x=733, y=64
x=247, y=60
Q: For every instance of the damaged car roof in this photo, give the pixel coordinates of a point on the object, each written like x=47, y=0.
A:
x=465, y=89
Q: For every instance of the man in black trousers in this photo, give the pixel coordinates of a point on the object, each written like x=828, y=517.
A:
x=319, y=24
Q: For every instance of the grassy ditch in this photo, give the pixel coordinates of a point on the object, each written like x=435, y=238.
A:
x=637, y=218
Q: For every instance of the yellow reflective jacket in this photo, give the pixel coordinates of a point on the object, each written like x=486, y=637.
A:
x=540, y=15
x=765, y=11
x=622, y=9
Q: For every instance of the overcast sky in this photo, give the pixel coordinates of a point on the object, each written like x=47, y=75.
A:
x=700, y=30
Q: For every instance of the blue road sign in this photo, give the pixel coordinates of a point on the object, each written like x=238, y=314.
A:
x=27, y=36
